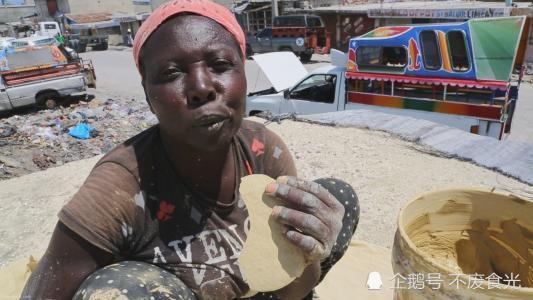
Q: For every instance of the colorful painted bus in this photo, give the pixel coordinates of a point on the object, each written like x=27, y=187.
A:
x=462, y=69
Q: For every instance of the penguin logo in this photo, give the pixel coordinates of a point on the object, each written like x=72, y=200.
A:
x=374, y=281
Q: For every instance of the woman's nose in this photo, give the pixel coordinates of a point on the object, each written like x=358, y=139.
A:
x=200, y=87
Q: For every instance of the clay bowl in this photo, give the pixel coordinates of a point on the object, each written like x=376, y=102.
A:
x=464, y=244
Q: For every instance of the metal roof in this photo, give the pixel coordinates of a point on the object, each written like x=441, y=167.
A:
x=89, y=18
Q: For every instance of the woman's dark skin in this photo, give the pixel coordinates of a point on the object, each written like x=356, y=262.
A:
x=193, y=76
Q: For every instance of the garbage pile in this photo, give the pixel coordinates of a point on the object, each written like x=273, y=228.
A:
x=41, y=139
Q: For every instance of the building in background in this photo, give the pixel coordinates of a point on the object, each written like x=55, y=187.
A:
x=345, y=19
x=113, y=17
x=254, y=15
x=13, y=10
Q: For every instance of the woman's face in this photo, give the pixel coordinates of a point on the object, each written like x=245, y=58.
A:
x=193, y=76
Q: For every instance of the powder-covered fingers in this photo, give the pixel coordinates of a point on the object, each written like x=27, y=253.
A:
x=312, y=188
x=296, y=198
x=312, y=248
x=313, y=216
x=306, y=223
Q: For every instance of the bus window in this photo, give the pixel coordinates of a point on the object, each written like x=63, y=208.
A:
x=381, y=58
x=458, y=51
x=430, y=50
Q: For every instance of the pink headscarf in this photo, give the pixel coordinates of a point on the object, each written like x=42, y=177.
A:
x=205, y=8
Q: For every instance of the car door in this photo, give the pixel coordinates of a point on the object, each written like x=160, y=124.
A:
x=315, y=94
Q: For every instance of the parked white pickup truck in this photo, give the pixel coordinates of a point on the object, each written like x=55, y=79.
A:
x=294, y=90
x=41, y=76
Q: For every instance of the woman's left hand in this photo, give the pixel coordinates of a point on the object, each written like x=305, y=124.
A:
x=311, y=216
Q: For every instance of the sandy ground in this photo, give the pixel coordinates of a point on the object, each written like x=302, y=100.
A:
x=385, y=171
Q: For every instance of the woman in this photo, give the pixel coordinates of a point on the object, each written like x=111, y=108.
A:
x=169, y=196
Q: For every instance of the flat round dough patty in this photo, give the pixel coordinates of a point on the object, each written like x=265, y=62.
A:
x=268, y=261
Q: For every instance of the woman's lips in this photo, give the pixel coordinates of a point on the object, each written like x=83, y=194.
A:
x=209, y=120
x=210, y=123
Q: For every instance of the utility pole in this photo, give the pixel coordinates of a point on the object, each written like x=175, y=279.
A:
x=274, y=10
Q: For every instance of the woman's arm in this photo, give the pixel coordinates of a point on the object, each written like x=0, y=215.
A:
x=68, y=260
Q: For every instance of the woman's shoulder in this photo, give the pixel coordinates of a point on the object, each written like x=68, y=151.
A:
x=249, y=125
x=133, y=152
x=253, y=129
x=266, y=149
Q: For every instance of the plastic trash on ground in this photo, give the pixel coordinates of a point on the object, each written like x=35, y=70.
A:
x=81, y=131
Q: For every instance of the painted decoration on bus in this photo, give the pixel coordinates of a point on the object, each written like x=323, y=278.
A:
x=351, y=60
x=478, y=49
x=414, y=56
x=386, y=32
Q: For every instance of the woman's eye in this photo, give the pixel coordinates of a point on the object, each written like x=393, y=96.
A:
x=172, y=71
x=221, y=65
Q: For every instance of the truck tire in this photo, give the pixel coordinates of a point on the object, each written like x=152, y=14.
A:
x=78, y=46
x=306, y=57
x=102, y=47
x=74, y=44
x=48, y=100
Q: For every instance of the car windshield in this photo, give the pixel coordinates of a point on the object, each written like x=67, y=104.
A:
x=18, y=44
x=290, y=21
x=49, y=41
x=5, y=44
x=267, y=32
